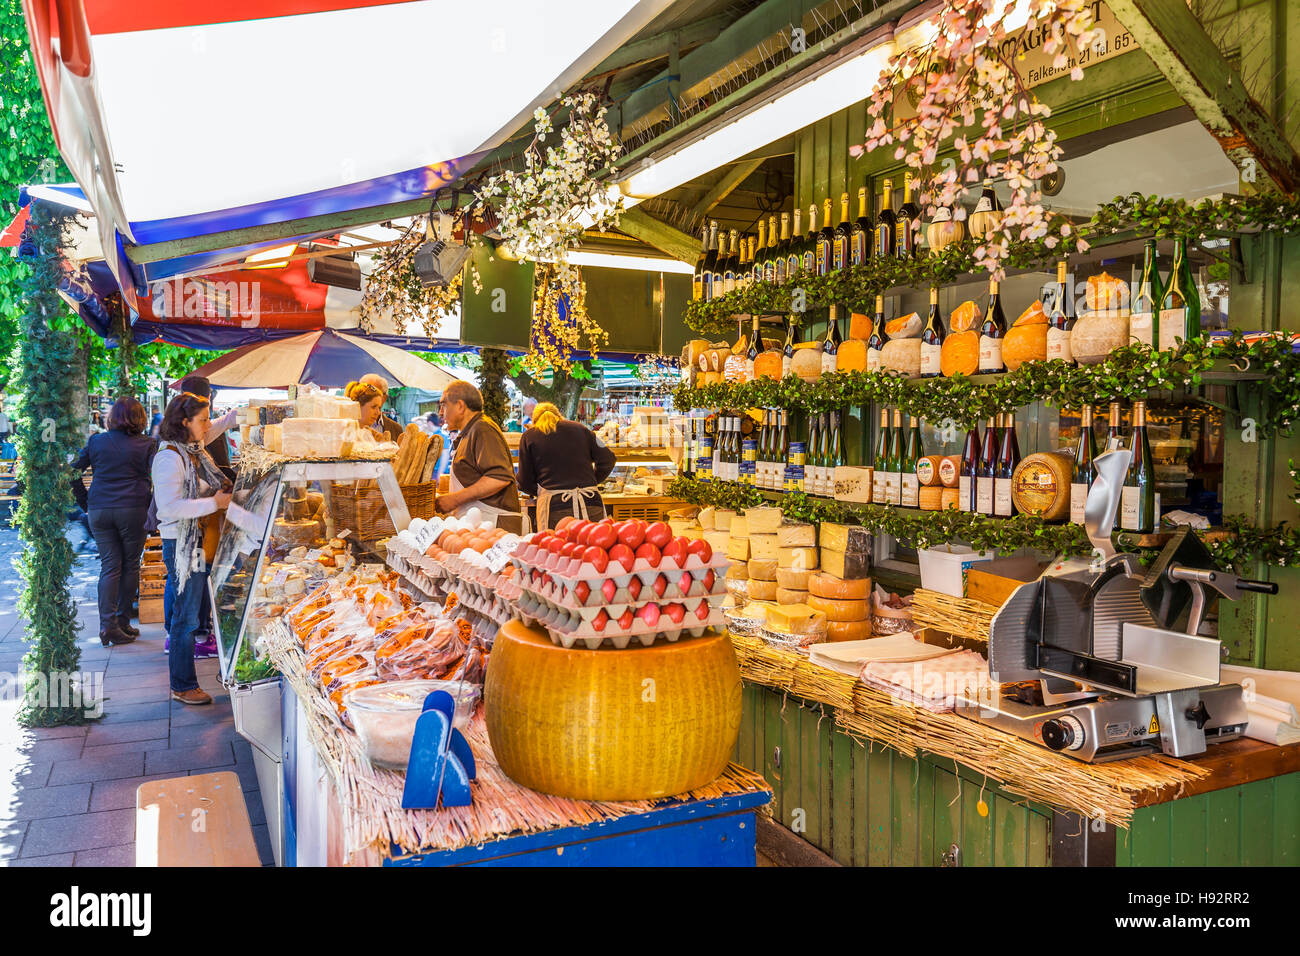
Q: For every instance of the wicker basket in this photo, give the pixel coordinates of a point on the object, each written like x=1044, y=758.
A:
x=362, y=509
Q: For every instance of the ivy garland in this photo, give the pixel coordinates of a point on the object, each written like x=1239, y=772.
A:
x=1129, y=373
x=1240, y=546
x=858, y=286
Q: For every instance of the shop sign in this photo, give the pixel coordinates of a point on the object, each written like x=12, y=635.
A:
x=1036, y=66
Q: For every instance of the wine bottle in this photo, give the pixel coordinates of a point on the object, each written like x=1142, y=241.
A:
x=1146, y=303
x=731, y=267
x=912, y=453
x=697, y=280
x=783, y=435
x=844, y=236
x=826, y=241
x=860, y=239
x=835, y=453
x=809, y=266
x=1061, y=320
x=881, y=460
x=987, y=467
x=1114, y=436
x=794, y=250
x=770, y=257
x=909, y=215
x=932, y=339
x=993, y=330
x=886, y=228
x=782, y=248
x=1180, y=309
x=824, y=454
x=1138, y=496
x=787, y=353
x=894, y=465
x=831, y=343
x=751, y=246
x=877, y=339
x=719, y=265
x=710, y=262
x=760, y=252
x=1008, y=459
x=755, y=349
x=812, y=461
x=1084, y=472
x=968, y=477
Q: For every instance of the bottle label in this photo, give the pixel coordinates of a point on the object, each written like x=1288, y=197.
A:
x=925, y=471
x=809, y=262
x=1078, y=498
x=911, y=491
x=838, y=256
x=785, y=365
x=1141, y=327
x=1128, y=507
x=860, y=248
x=828, y=361
x=1173, y=324
x=873, y=359
x=1002, y=497
x=985, y=204
x=984, y=495
x=769, y=272
x=893, y=488
x=930, y=364
x=947, y=471
x=779, y=270
x=878, y=488
x=749, y=370
x=963, y=493
x=1058, y=344
x=990, y=354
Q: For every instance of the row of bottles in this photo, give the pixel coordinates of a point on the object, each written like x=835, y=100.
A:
x=893, y=478
x=1139, y=509
x=986, y=468
x=729, y=261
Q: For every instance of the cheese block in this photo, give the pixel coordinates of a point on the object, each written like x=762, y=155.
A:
x=763, y=520
x=840, y=610
x=762, y=590
x=845, y=537
x=949, y=499
x=793, y=618
x=315, y=437
x=931, y=499
x=846, y=564
x=825, y=585
x=739, y=527
x=1041, y=485
x=848, y=630
x=737, y=548
x=787, y=596
x=723, y=518
x=796, y=536
x=764, y=547
x=273, y=436
x=718, y=540
x=705, y=518
x=852, y=483
x=762, y=569
x=738, y=571
x=796, y=579
x=797, y=558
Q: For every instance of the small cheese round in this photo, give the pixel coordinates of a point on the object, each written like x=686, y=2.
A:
x=760, y=590
x=763, y=570
x=840, y=610
x=949, y=500
x=788, y=596
x=848, y=630
x=927, y=470
x=931, y=499
x=950, y=471
x=795, y=579
x=825, y=585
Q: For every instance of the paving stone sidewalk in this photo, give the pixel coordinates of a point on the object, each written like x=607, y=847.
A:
x=67, y=794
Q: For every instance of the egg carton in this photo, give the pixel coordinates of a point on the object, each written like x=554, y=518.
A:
x=579, y=617
x=561, y=592
x=618, y=639
x=572, y=570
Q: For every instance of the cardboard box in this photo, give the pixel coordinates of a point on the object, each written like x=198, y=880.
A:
x=151, y=610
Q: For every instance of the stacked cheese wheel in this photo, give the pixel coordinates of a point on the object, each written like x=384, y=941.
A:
x=845, y=602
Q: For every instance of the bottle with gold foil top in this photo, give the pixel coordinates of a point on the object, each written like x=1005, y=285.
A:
x=877, y=339
x=1060, y=322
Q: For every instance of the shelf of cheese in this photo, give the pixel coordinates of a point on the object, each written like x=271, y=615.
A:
x=314, y=425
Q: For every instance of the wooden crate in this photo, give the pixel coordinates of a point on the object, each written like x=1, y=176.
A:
x=151, y=610
x=993, y=581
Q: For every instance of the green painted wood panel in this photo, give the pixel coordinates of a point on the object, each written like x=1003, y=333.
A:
x=810, y=776
x=947, y=818
x=905, y=814
x=976, y=828
x=1256, y=808
x=1038, y=845
x=771, y=741
x=1012, y=832
x=841, y=797
x=825, y=729
x=1187, y=832
x=1286, y=820
x=1223, y=827
x=880, y=774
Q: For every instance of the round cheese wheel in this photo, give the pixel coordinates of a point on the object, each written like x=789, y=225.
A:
x=852, y=356
x=787, y=596
x=738, y=571
x=762, y=570
x=949, y=499
x=823, y=585
x=840, y=610
x=950, y=471
x=931, y=498
x=1096, y=334
x=760, y=590
x=795, y=579
x=807, y=364
x=927, y=470
x=848, y=630
x=902, y=355
x=1041, y=485
x=734, y=369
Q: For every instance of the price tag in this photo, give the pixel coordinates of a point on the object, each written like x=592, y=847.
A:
x=313, y=555
x=343, y=534
x=280, y=577
x=430, y=532
x=498, y=556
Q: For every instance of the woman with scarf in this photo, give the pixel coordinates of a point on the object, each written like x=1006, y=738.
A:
x=188, y=487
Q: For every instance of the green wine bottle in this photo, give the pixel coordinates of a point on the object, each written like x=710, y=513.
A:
x=1180, y=309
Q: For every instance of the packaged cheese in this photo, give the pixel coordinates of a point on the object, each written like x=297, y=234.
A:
x=793, y=535
x=838, y=609
x=762, y=569
x=797, y=558
x=764, y=547
x=845, y=537
x=762, y=590
x=787, y=596
x=795, y=579
x=825, y=585
x=763, y=520
x=846, y=564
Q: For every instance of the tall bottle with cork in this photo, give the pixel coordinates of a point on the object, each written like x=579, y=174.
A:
x=809, y=266
x=780, y=259
x=760, y=253
x=1138, y=496
x=877, y=339
x=912, y=453
x=826, y=242
x=894, y=463
x=1084, y=472
x=794, y=249
x=1142, y=322
x=1008, y=459
x=860, y=240
x=932, y=339
x=1180, y=309
x=968, y=473
x=831, y=343
x=907, y=228
x=844, y=236
x=987, y=469
x=886, y=228
x=993, y=329
x=1060, y=322
x=880, y=460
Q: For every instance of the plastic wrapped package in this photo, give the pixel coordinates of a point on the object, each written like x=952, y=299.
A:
x=890, y=614
x=794, y=626
x=384, y=715
x=432, y=650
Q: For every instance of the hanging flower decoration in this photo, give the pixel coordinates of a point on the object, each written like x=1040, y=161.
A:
x=543, y=211
x=394, y=290
x=968, y=94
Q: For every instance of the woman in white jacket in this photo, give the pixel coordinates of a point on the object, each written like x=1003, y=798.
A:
x=188, y=486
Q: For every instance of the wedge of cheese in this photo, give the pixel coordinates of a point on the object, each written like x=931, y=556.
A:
x=722, y=519
x=794, y=535
x=737, y=548
x=799, y=559
x=762, y=569
x=794, y=618
x=762, y=590
x=795, y=579
x=787, y=596
x=845, y=537
x=739, y=526
x=846, y=564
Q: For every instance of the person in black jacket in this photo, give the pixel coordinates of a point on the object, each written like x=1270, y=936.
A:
x=120, y=490
x=560, y=464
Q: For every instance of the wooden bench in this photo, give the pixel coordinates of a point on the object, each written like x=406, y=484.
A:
x=193, y=821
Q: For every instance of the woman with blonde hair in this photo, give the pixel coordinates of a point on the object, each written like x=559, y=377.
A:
x=371, y=400
x=560, y=459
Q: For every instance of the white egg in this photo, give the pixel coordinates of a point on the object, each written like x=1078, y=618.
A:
x=487, y=525
x=451, y=524
x=474, y=516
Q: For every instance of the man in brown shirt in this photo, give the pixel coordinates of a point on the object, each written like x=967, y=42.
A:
x=482, y=471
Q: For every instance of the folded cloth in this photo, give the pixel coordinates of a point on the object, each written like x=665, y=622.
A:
x=847, y=657
x=1176, y=518
x=934, y=684
x=1272, y=702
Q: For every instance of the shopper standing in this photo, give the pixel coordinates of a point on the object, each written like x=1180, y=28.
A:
x=118, y=502
x=188, y=488
x=562, y=463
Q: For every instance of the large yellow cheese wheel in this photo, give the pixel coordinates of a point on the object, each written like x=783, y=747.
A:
x=807, y=364
x=761, y=590
x=851, y=356
x=768, y=365
x=824, y=585
x=762, y=569
x=1024, y=343
x=848, y=630
x=840, y=610
x=788, y=596
x=1040, y=485
x=579, y=724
